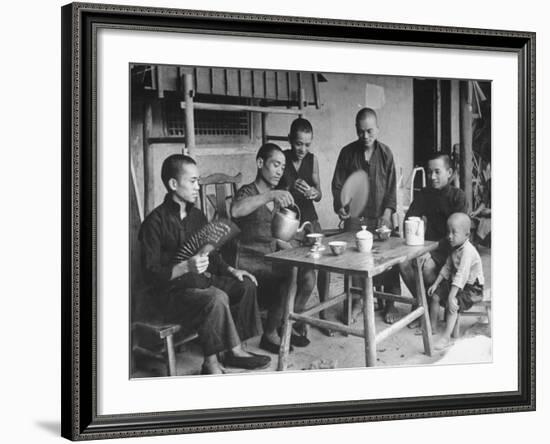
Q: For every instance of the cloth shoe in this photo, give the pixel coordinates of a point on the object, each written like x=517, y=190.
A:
x=254, y=362
x=299, y=340
x=267, y=345
x=298, y=337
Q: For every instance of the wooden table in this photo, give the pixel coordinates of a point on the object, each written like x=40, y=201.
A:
x=384, y=255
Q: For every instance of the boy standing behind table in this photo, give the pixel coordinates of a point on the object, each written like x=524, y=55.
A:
x=301, y=178
x=460, y=282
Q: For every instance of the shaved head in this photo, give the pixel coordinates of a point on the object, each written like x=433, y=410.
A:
x=460, y=220
x=365, y=113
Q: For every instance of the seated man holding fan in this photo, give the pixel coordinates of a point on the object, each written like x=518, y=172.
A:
x=374, y=159
x=201, y=292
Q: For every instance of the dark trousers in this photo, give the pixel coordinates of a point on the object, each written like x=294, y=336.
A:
x=223, y=313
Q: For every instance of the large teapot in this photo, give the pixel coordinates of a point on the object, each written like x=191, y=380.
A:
x=286, y=223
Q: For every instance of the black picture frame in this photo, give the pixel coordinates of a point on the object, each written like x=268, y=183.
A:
x=79, y=170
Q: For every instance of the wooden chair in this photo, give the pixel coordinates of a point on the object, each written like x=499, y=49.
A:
x=216, y=205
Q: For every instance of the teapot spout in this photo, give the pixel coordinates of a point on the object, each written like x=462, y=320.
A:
x=306, y=223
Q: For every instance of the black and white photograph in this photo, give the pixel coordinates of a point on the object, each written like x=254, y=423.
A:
x=302, y=221
x=274, y=222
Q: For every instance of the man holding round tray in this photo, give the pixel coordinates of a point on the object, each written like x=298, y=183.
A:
x=364, y=193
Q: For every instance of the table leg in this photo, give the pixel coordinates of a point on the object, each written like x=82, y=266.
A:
x=169, y=340
x=369, y=322
x=425, y=319
x=287, y=325
x=324, y=294
x=349, y=300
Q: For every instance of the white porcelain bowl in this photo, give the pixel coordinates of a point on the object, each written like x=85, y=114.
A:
x=337, y=247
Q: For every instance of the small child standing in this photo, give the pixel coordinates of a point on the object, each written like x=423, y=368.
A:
x=460, y=282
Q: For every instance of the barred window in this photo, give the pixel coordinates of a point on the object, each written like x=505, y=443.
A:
x=210, y=125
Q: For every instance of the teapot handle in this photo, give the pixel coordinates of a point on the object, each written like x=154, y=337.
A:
x=297, y=210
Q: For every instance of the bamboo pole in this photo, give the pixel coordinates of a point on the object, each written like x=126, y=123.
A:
x=189, y=115
x=316, y=91
x=324, y=305
x=399, y=325
x=303, y=101
x=264, y=128
x=329, y=325
x=438, y=115
x=466, y=134
x=136, y=189
x=394, y=297
x=257, y=109
x=455, y=112
x=148, y=161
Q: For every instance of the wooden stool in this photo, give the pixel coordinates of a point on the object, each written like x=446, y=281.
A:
x=147, y=336
x=482, y=308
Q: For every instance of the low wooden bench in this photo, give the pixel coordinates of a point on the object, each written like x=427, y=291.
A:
x=481, y=308
x=155, y=339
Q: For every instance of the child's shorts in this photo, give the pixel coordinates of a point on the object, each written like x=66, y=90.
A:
x=466, y=298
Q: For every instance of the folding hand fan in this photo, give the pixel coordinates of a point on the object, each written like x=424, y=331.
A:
x=210, y=237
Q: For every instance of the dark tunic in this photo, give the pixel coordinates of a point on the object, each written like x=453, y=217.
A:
x=223, y=310
x=255, y=241
x=305, y=172
x=256, y=226
x=382, y=178
x=382, y=194
x=437, y=205
x=161, y=234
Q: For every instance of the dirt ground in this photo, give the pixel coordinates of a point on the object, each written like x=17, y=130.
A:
x=339, y=351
